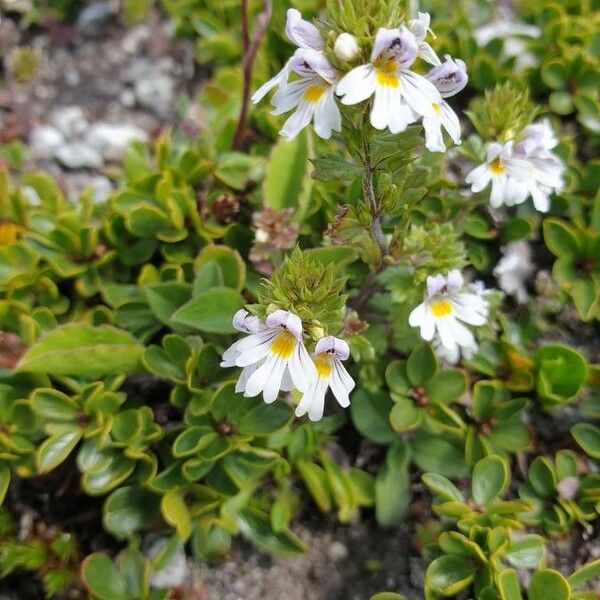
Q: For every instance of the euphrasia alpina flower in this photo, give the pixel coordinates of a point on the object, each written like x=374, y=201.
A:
x=505, y=172
x=400, y=94
x=529, y=168
x=419, y=27
x=312, y=94
x=331, y=373
x=446, y=306
x=544, y=170
x=272, y=355
x=346, y=47
x=449, y=77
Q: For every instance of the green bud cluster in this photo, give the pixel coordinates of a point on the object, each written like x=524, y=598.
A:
x=431, y=249
x=362, y=19
x=502, y=114
x=307, y=288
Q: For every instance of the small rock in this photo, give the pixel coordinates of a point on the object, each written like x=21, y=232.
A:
x=568, y=487
x=44, y=141
x=156, y=92
x=78, y=155
x=72, y=77
x=175, y=574
x=69, y=120
x=127, y=98
x=112, y=141
x=337, y=551
x=135, y=38
x=93, y=17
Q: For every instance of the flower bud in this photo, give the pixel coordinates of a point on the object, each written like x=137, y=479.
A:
x=346, y=47
x=450, y=77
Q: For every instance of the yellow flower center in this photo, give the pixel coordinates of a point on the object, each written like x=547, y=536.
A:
x=437, y=109
x=9, y=232
x=283, y=345
x=323, y=364
x=441, y=308
x=313, y=93
x=385, y=72
x=497, y=166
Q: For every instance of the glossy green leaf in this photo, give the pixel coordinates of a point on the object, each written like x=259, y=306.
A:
x=370, y=415
x=129, y=509
x=588, y=437
x=103, y=580
x=55, y=449
x=548, y=585
x=84, y=351
x=421, y=364
x=490, y=478
x=4, y=481
x=211, y=310
x=449, y=574
x=176, y=513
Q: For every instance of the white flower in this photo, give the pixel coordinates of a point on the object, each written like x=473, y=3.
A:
x=452, y=356
x=419, y=27
x=274, y=357
x=444, y=310
x=331, y=373
x=449, y=77
x=301, y=33
x=312, y=95
x=514, y=269
x=346, y=47
x=544, y=173
x=506, y=173
x=400, y=95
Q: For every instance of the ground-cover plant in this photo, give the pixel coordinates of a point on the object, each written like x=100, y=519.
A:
x=250, y=328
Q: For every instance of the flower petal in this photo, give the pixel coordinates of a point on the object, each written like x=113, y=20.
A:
x=357, y=85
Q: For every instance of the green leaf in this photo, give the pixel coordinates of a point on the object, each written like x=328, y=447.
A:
x=548, y=585
x=211, y=311
x=421, y=364
x=237, y=169
x=387, y=596
x=330, y=167
x=101, y=577
x=264, y=419
x=443, y=487
x=230, y=262
x=404, y=415
x=439, y=455
x=392, y=486
x=256, y=527
x=315, y=480
x=509, y=585
x=4, y=480
x=175, y=512
x=542, y=477
x=189, y=440
x=287, y=183
x=446, y=387
x=166, y=297
x=136, y=572
x=449, y=574
x=554, y=74
x=490, y=478
x=370, y=415
x=457, y=544
x=588, y=437
x=55, y=449
x=83, y=351
x=526, y=552
x=561, y=238
x=52, y=405
x=129, y=509
x=562, y=372
x=584, y=574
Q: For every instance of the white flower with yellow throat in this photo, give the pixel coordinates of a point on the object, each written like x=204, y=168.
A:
x=330, y=351
x=400, y=95
x=273, y=358
x=446, y=308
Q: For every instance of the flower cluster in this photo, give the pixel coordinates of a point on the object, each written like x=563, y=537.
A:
x=447, y=305
x=273, y=359
x=400, y=95
x=519, y=170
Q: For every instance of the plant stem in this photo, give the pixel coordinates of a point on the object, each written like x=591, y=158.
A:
x=250, y=47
